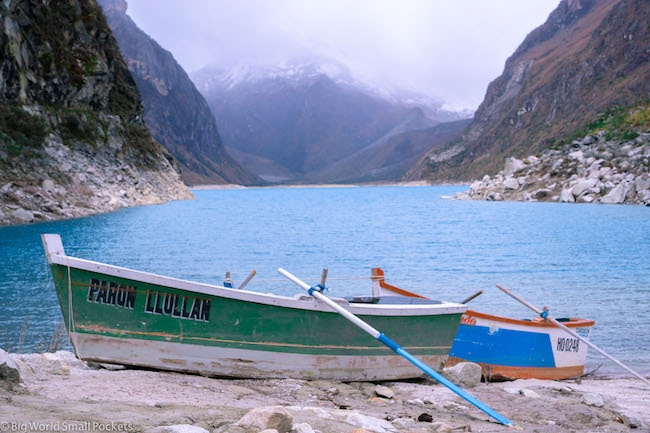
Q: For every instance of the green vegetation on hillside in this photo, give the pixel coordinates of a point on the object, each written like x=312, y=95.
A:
x=19, y=130
x=622, y=123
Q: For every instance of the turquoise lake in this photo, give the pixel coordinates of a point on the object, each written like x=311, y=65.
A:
x=580, y=260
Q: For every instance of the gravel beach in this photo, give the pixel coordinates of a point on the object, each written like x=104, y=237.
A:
x=57, y=392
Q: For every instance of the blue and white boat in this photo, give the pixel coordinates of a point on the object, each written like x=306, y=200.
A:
x=507, y=348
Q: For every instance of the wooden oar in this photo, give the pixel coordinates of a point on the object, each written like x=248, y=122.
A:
x=316, y=292
x=480, y=292
x=544, y=314
x=247, y=280
x=323, y=277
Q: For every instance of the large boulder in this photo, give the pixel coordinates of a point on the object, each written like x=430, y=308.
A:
x=512, y=166
x=57, y=363
x=641, y=184
x=464, y=373
x=583, y=185
x=9, y=374
x=267, y=417
x=511, y=183
x=617, y=195
x=578, y=155
x=589, y=139
x=23, y=215
x=566, y=196
x=541, y=193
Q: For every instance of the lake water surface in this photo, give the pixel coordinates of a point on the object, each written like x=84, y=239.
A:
x=580, y=260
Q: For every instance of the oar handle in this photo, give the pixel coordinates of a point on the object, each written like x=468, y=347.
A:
x=294, y=279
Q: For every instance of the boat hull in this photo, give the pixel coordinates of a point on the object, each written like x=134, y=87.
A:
x=122, y=316
x=219, y=361
x=510, y=349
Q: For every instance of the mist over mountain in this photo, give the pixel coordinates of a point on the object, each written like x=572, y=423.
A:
x=589, y=56
x=175, y=112
x=294, y=122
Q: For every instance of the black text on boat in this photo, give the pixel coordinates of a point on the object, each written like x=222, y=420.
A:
x=183, y=307
x=107, y=292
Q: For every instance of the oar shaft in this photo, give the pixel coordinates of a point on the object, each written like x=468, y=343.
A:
x=398, y=349
x=480, y=292
x=247, y=280
x=569, y=331
x=508, y=292
x=336, y=307
x=446, y=382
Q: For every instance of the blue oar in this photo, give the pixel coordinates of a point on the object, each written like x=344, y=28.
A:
x=316, y=292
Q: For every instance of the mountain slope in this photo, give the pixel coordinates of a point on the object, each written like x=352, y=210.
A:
x=296, y=121
x=589, y=55
x=72, y=139
x=392, y=155
x=176, y=113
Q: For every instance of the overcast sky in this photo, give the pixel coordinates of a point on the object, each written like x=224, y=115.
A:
x=449, y=49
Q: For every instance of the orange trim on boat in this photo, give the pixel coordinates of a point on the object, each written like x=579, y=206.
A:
x=495, y=373
x=547, y=373
x=378, y=274
x=573, y=323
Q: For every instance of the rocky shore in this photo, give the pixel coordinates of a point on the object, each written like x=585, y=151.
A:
x=73, y=141
x=55, y=390
x=592, y=169
x=77, y=178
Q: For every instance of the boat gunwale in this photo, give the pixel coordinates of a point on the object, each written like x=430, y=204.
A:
x=249, y=296
x=573, y=323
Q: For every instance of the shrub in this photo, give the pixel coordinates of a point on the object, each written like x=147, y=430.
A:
x=22, y=128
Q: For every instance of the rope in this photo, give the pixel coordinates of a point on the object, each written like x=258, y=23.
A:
x=544, y=314
x=319, y=277
x=71, y=324
x=317, y=288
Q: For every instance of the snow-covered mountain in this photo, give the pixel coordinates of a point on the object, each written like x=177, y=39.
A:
x=292, y=122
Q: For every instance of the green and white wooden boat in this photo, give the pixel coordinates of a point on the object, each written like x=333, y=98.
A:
x=123, y=316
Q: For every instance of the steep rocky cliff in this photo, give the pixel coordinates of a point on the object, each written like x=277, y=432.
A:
x=72, y=138
x=588, y=56
x=175, y=112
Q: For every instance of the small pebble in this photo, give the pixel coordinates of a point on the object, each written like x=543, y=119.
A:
x=384, y=391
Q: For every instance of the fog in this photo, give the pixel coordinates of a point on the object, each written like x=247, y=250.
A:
x=447, y=50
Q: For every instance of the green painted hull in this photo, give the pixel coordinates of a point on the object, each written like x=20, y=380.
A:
x=112, y=318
